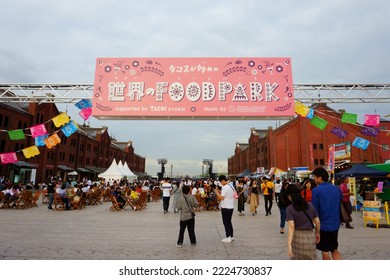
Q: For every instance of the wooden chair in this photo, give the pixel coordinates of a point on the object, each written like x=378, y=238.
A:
x=58, y=203
x=156, y=194
x=107, y=195
x=143, y=199
x=115, y=204
x=45, y=197
x=4, y=200
x=24, y=200
x=35, y=199
x=75, y=203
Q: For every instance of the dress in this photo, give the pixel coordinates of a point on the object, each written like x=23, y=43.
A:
x=241, y=199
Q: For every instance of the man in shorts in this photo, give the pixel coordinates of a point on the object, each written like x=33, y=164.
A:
x=326, y=199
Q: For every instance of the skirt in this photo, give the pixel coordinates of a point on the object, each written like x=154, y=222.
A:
x=304, y=245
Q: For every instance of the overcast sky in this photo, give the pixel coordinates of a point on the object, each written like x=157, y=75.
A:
x=342, y=41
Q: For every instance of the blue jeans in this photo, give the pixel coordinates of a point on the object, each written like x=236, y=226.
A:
x=227, y=221
x=282, y=217
x=166, y=202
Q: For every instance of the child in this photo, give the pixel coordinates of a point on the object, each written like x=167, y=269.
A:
x=185, y=205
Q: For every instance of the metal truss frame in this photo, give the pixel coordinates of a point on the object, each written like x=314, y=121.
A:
x=305, y=93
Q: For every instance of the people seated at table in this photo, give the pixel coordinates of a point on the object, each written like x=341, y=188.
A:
x=64, y=197
x=117, y=193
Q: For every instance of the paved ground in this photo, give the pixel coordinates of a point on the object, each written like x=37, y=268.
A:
x=95, y=233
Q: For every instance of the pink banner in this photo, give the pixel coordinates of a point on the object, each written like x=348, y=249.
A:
x=193, y=88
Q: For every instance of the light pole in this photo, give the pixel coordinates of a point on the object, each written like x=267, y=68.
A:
x=162, y=161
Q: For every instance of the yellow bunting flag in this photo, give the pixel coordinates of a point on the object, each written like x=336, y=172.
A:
x=31, y=151
x=301, y=109
x=61, y=119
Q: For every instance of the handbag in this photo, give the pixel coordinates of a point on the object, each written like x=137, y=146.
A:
x=235, y=194
x=345, y=217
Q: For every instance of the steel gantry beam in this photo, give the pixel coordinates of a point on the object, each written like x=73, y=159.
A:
x=305, y=93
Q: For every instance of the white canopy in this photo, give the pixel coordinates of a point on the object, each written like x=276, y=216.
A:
x=130, y=175
x=113, y=172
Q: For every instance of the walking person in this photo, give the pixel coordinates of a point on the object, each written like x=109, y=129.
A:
x=278, y=188
x=241, y=197
x=283, y=202
x=166, y=195
x=326, y=199
x=254, y=194
x=185, y=205
x=303, y=226
x=346, y=198
x=176, y=192
x=267, y=187
x=226, y=198
x=50, y=192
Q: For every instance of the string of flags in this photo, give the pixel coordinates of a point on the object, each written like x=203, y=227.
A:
x=370, y=128
x=42, y=137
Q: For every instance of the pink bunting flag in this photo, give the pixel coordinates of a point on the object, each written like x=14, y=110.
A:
x=38, y=130
x=86, y=113
x=8, y=158
x=371, y=120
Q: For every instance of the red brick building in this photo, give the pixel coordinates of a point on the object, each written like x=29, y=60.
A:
x=88, y=151
x=298, y=143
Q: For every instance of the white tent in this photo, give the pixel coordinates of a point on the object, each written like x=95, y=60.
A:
x=130, y=175
x=113, y=172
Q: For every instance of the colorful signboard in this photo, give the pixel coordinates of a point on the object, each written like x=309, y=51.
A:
x=342, y=151
x=193, y=88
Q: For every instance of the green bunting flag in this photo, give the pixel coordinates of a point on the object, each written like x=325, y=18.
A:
x=349, y=118
x=318, y=122
x=17, y=134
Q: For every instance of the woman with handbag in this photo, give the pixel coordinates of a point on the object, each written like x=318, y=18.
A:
x=303, y=226
x=185, y=205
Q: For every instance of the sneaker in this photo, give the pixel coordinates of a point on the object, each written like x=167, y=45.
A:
x=349, y=226
x=227, y=240
x=135, y=208
x=232, y=238
x=50, y=208
x=193, y=244
x=179, y=245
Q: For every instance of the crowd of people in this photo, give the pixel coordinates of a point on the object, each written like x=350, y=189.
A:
x=311, y=209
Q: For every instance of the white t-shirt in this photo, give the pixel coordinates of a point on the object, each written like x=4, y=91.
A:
x=278, y=187
x=227, y=193
x=166, y=187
